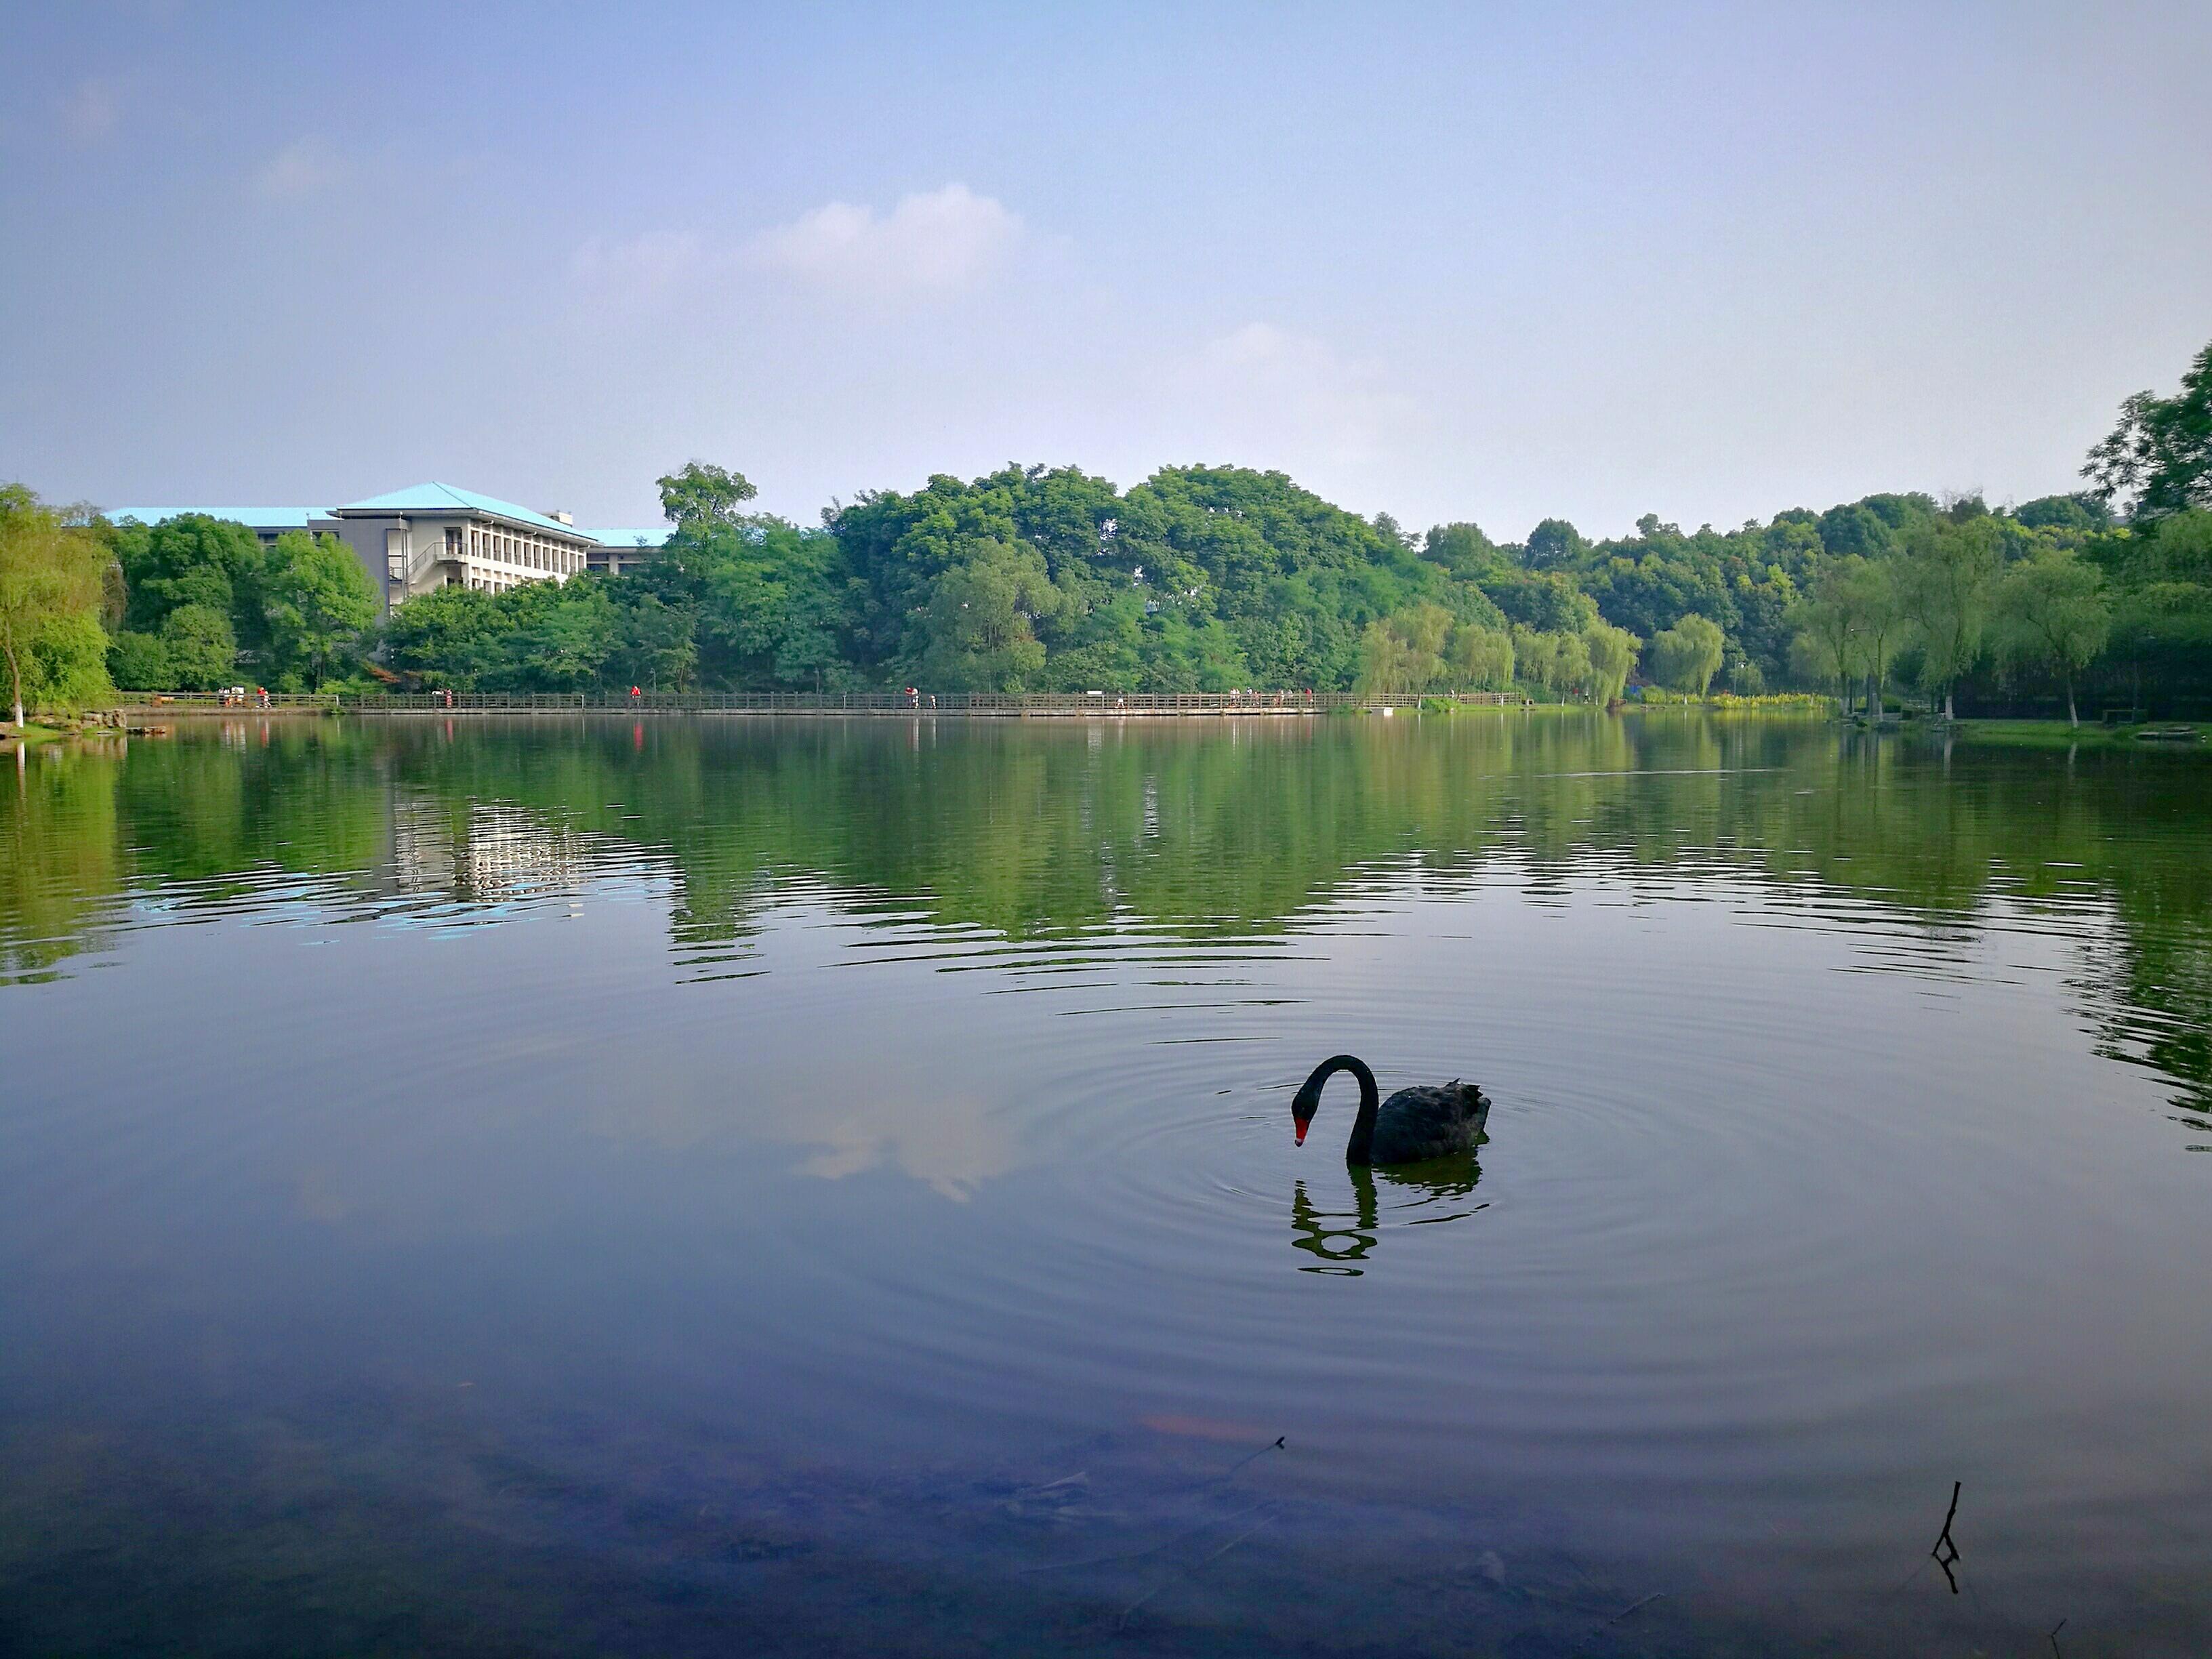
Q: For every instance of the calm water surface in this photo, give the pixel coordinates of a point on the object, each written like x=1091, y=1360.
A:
x=581, y=1186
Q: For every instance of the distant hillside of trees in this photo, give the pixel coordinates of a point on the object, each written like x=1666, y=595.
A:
x=1213, y=577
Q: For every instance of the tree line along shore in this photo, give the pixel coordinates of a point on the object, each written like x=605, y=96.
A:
x=1038, y=579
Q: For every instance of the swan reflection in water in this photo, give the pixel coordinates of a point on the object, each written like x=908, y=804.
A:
x=1416, y=1194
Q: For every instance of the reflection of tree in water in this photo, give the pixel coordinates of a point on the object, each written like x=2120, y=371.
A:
x=1186, y=832
x=1418, y=1194
x=60, y=859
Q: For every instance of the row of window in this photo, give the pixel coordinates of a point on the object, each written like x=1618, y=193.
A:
x=508, y=547
x=487, y=583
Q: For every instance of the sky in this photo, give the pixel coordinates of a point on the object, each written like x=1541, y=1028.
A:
x=1485, y=262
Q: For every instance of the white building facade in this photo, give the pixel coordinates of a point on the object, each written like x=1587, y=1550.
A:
x=433, y=535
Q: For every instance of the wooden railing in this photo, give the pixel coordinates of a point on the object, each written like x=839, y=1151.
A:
x=192, y=702
x=1047, y=704
x=852, y=702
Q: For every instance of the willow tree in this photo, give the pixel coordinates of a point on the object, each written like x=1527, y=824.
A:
x=1688, y=655
x=1946, y=576
x=1869, y=588
x=1612, y=659
x=1391, y=663
x=2055, y=618
x=1481, y=657
x=53, y=576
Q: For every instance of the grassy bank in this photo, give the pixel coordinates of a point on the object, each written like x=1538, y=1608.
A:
x=2057, y=734
x=33, y=734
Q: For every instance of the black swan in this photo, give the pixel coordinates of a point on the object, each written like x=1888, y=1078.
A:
x=1411, y=1126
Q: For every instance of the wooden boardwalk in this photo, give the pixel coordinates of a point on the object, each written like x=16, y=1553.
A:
x=1102, y=705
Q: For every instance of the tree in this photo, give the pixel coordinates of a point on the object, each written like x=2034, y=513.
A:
x=2055, y=616
x=660, y=645
x=67, y=668
x=981, y=620
x=1612, y=659
x=1480, y=657
x=700, y=493
x=448, y=637
x=200, y=648
x=1554, y=545
x=140, y=662
x=1856, y=528
x=1462, y=548
x=191, y=559
x=1688, y=655
x=1536, y=655
x=1570, y=668
x=1406, y=652
x=1825, y=644
x=316, y=606
x=1867, y=587
x=1946, y=575
x=53, y=578
x=2159, y=458
x=1389, y=663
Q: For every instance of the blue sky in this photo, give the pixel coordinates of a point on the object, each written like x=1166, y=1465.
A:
x=1487, y=262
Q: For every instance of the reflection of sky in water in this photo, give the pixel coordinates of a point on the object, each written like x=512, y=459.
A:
x=694, y=1207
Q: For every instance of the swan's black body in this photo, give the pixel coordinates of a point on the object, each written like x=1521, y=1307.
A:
x=1411, y=1126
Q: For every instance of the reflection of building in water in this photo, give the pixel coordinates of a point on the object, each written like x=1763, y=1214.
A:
x=481, y=851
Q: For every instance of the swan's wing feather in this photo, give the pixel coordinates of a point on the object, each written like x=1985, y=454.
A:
x=1429, y=1122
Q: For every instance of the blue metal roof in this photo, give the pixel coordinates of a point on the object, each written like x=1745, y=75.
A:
x=656, y=536
x=445, y=498
x=253, y=518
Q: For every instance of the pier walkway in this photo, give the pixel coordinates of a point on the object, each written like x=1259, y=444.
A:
x=990, y=704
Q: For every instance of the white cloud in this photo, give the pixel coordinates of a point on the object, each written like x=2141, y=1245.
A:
x=1274, y=391
x=298, y=171
x=939, y=241
x=951, y=1145
x=92, y=109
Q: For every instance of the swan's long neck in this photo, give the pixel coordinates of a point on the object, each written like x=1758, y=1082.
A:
x=1362, y=1144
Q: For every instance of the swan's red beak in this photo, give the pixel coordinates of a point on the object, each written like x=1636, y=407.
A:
x=1301, y=1128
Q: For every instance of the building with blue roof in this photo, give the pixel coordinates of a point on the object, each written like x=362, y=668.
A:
x=437, y=535
x=625, y=550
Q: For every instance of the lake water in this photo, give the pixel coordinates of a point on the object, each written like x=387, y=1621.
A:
x=586, y=1186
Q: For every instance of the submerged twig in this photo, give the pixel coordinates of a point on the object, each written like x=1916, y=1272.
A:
x=1122, y=1623
x=1152, y=1549
x=1943, y=1541
x=1633, y=1606
x=2053, y=1634
x=1276, y=1444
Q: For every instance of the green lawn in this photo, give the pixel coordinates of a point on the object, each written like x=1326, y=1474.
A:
x=2057, y=734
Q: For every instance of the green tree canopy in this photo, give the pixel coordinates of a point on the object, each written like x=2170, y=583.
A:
x=317, y=607
x=699, y=493
x=199, y=648
x=1613, y=653
x=2055, y=616
x=53, y=577
x=2158, y=459
x=1555, y=544
x=1946, y=578
x=1688, y=655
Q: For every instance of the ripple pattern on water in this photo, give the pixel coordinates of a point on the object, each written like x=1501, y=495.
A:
x=840, y=1129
